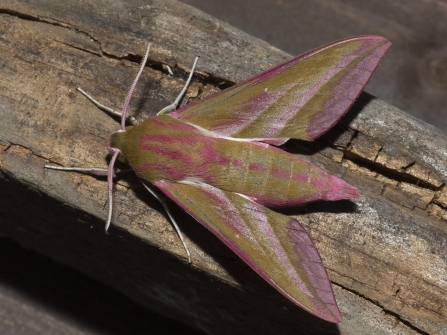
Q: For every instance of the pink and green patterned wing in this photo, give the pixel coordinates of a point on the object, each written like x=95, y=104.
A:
x=274, y=245
x=301, y=98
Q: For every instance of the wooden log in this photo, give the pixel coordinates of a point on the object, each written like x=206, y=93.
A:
x=386, y=252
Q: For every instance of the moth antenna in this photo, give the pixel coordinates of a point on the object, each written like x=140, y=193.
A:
x=165, y=206
x=116, y=151
x=173, y=106
x=110, y=185
x=110, y=171
x=132, y=88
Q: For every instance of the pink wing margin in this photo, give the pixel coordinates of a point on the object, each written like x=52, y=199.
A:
x=301, y=98
x=274, y=245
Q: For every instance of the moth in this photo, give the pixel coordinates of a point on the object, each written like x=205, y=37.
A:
x=219, y=160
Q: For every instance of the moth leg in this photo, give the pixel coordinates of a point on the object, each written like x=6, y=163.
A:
x=173, y=106
x=121, y=113
x=176, y=227
x=91, y=170
x=168, y=68
x=110, y=172
x=97, y=172
x=130, y=119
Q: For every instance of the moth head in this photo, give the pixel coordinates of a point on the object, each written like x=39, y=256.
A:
x=117, y=140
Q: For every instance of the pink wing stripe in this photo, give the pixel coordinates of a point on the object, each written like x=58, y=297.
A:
x=272, y=244
x=347, y=91
x=275, y=105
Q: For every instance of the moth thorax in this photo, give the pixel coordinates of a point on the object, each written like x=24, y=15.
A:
x=118, y=139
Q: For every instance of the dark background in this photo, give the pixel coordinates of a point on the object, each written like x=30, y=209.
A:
x=41, y=297
x=413, y=74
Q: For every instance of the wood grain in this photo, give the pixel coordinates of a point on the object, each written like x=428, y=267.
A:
x=386, y=253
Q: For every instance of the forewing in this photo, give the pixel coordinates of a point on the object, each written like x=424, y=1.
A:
x=274, y=245
x=301, y=98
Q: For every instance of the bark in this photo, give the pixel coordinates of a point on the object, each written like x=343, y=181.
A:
x=385, y=253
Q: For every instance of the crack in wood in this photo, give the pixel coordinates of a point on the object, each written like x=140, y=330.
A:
x=29, y=17
x=409, y=190
x=386, y=311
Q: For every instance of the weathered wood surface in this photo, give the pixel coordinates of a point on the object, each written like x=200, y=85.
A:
x=386, y=253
